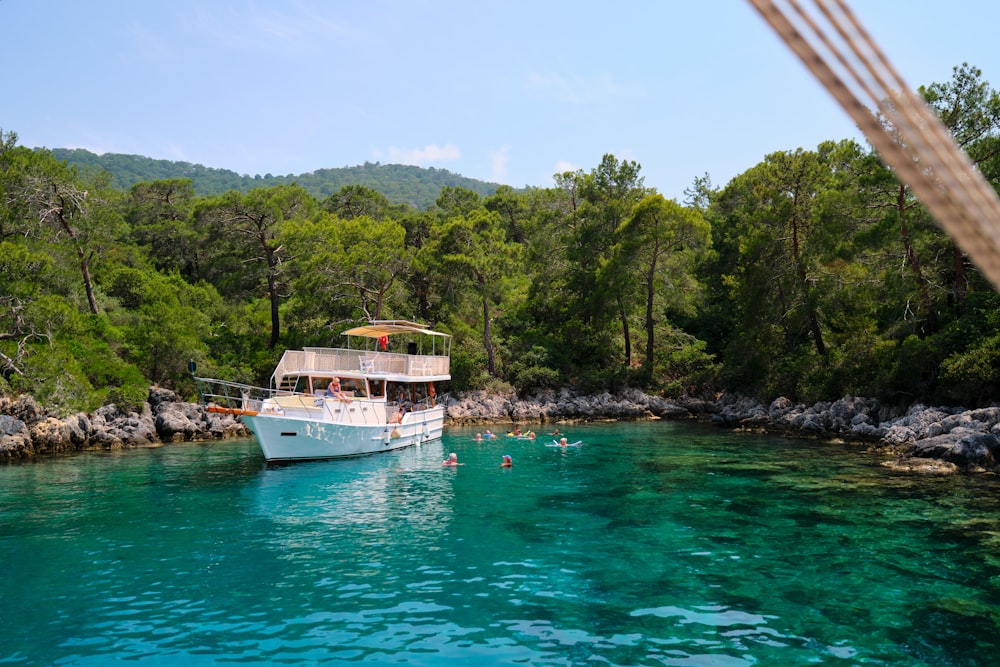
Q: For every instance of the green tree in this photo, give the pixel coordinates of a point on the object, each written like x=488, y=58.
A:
x=354, y=267
x=14, y=165
x=607, y=196
x=252, y=224
x=457, y=201
x=662, y=240
x=73, y=213
x=970, y=109
x=767, y=221
x=512, y=207
x=159, y=214
x=355, y=201
x=20, y=323
x=159, y=346
x=473, y=252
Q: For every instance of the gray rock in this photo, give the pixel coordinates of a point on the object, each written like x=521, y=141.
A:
x=15, y=439
x=961, y=446
x=741, y=411
x=867, y=432
x=23, y=408
x=80, y=429
x=899, y=435
x=103, y=439
x=158, y=396
x=51, y=436
x=177, y=422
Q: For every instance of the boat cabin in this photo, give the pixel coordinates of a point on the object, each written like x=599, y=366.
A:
x=392, y=360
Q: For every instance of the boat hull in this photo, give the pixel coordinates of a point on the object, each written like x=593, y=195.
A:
x=285, y=438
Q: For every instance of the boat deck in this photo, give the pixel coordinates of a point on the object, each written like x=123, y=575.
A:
x=320, y=360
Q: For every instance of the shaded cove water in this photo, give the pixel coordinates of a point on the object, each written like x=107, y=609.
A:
x=652, y=544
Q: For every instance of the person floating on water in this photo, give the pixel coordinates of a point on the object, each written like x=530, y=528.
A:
x=507, y=461
x=487, y=434
x=452, y=460
x=479, y=437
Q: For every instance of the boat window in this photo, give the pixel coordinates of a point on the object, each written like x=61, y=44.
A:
x=377, y=388
x=353, y=387
x=297, y=384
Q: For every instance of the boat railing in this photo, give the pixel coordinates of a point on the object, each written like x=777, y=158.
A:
x=231, y=397
x=332, y=360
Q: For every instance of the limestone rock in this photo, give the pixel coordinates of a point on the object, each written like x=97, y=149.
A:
x=922, y=465
x=113, y=425
x=51, y=436
x=178, y=422
x=23, y=408
x=15, y=439
x=80, y=429
x=961, y=446
x=741, y=411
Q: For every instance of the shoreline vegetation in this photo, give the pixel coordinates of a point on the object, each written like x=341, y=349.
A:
x=813, y=274
x=920, y=439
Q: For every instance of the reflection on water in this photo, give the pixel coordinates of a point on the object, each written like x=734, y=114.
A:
x=652, y=544
x=318, y=506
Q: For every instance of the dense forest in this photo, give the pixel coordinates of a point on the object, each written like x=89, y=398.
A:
x=415, y=187
x=813, y=274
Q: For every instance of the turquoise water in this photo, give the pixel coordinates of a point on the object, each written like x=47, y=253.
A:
x=653, y=544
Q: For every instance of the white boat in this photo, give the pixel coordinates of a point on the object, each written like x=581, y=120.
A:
x=386, y=398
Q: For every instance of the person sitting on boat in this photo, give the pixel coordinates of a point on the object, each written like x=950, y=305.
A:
x=507, y=461
x=333, y=390
x=398, y=417
x=452, y=460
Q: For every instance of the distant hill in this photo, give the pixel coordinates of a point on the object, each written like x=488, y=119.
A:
x=418, y=187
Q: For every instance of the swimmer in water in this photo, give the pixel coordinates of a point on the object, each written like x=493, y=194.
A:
x=452, y=460
x=507, y=462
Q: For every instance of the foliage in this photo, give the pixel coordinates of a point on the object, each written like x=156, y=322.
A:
x=532, y=370
x=813, y=274
x=416, y=187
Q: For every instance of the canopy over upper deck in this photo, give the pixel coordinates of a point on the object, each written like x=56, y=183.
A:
x=380, y=328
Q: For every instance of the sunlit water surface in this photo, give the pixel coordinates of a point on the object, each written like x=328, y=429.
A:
x=651, y=544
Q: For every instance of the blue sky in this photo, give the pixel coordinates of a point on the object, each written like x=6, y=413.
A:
x=509, y=92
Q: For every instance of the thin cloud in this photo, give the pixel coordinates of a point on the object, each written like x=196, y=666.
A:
x=150, y=45
x=498, y=174
x=270, y=31
x=421, y=157
x=562, y=166
x=577, y=90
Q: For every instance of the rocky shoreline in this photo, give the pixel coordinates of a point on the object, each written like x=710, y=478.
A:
x=919, y=439
x=27, y=430
x=935, y=440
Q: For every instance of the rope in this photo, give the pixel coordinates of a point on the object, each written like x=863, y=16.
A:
x=844, y=58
